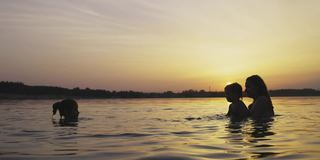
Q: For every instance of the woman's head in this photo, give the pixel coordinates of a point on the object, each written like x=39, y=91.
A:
x=256, y=87
x=233, y=92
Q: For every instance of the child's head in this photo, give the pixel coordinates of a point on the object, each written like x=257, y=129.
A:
x=233, y=92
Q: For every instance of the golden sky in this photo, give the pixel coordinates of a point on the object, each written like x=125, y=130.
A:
x=160, y=45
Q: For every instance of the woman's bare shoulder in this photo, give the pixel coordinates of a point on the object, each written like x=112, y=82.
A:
x=262, y=101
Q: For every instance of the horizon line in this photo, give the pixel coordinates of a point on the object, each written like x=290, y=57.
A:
x=19, y=82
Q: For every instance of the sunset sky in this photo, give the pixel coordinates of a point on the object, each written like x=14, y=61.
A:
x=160, y=45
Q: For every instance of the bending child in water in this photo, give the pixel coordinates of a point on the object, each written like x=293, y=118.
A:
x=237, y=109
x=68, y=110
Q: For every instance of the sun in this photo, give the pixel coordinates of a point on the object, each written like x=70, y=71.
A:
x=228, y=83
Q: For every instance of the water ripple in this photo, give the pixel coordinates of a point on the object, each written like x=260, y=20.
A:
x=159, y=129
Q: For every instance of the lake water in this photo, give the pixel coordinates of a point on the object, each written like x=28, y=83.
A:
x=159, y=129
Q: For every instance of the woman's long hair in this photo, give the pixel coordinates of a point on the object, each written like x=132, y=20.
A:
x=259, y=84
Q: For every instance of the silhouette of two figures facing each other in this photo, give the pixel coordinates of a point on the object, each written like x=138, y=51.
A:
x=68, y=110
x=260, y=108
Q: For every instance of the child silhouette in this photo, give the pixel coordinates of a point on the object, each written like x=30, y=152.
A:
x=237, y=109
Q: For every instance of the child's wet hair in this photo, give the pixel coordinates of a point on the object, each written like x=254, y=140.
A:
x=235, y=88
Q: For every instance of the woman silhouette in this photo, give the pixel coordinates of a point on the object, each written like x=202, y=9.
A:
x=262, y=105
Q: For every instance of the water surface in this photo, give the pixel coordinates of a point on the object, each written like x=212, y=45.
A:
x=159, y=129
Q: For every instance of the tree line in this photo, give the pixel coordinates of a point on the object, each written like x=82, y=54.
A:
x=13, y=90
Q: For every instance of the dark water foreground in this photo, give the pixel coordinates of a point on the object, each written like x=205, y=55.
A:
x=159, y=129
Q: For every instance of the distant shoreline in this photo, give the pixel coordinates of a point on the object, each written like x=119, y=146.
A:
x=18, y=90
x=45, y=97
